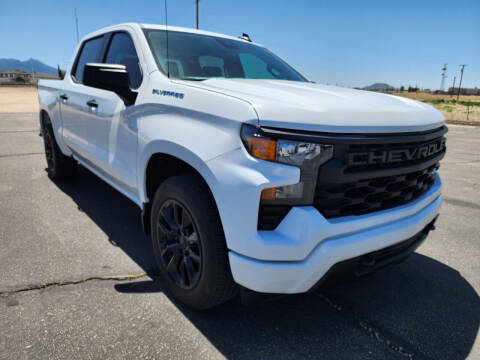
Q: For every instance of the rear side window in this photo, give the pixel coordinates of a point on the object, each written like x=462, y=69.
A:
x=122, y=51
x=90, y=53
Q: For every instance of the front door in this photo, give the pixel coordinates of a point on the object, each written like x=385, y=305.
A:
x=112, y=130
x=102, y=131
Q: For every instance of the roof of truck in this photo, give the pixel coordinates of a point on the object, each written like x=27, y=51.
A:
x=161, y=27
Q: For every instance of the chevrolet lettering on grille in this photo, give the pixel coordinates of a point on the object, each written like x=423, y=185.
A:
x=395, y=155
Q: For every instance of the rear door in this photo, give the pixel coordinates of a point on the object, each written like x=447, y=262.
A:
x=74, y=97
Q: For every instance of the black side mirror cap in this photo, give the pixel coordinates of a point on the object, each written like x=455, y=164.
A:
x=111, y=77
x=60, y=73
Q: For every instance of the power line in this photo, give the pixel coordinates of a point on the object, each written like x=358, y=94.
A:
x=166, y=35
x=196, y=3
x=76, y=23
x=461, y=77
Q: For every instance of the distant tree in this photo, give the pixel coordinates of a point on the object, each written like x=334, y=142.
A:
x=20, y=80
x=402, y=88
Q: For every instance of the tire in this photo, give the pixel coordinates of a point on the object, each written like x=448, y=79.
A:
x=189, y=243
x=59, y=166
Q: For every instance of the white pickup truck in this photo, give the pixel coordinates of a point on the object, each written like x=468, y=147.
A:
x=248, y=175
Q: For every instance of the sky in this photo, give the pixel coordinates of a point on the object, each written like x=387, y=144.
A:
x=347, y=43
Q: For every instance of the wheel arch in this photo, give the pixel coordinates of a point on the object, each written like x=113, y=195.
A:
x=52, y=114
x=43, y=116
x=158, y=166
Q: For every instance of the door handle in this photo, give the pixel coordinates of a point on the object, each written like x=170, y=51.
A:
x=64, y=97
x=92, y=104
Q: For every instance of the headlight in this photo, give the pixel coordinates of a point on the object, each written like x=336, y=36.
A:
x=283, y=151
x=297, y=153
x=307, y=156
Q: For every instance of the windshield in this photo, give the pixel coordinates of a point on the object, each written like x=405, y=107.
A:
x=200, y=57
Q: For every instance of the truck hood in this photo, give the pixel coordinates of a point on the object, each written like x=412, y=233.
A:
x=315, y=107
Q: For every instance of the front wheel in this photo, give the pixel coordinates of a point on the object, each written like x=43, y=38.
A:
x=189, y=243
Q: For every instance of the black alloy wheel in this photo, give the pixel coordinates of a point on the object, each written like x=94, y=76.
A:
x=49, y=149
x=179, y=244
x=189, y=243
x=59, y=166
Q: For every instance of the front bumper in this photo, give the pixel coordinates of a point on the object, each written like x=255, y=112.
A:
x=311, y=245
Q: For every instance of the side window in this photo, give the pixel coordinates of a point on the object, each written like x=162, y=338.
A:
x=90, y=52
x=122, y=51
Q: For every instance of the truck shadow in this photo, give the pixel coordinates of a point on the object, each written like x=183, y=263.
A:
x=418, y=309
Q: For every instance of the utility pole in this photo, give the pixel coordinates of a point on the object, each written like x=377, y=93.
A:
x=33, y=73
x=461, y=77
x=444, y=75
x=76, y=23
x=453, y=87
x=196, y=2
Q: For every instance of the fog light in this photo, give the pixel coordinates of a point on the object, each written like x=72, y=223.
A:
x=294, y=191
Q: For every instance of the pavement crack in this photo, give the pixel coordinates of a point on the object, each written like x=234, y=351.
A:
x=373, y=331
x=16, y=131
x=45, y=285
x=332, y=304
x=461, y=203
x=377, y=335
x=24, y=154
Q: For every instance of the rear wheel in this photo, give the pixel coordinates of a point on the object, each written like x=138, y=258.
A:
x=189, y=243
x=59, y=166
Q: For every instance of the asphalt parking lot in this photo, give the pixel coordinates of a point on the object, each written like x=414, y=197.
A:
x=72, y=259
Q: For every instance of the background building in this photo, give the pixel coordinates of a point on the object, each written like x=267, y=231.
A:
x=22, y=77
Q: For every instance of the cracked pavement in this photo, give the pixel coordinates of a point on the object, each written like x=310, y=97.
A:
x=77, y=279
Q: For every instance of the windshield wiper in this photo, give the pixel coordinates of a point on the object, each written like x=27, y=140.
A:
x=193, y=78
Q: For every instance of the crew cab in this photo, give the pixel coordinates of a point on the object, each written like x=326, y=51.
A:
x=248, y=176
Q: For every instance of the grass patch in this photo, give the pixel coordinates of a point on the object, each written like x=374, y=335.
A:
x=452, y=101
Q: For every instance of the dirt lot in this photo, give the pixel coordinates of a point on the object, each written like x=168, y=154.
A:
x=427, y=96
x=452, y=110
x=14, y=99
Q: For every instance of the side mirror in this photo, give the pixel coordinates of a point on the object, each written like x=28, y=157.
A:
x=111, y=77
x=60, y=73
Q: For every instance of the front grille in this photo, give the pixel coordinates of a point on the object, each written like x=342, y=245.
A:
x=363, y=187
x=365, y=196
x=378, y=148
x=367, y=173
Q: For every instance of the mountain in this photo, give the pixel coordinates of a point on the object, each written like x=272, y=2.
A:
x=376, y=86
x=27, y=66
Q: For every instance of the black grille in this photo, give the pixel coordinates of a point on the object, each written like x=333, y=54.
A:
x=365, y=196
x=354, y=181
x=379, y=148
x=344, y=189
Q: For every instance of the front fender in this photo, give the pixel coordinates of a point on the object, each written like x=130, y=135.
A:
x=191, y=135
x=173, y=149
